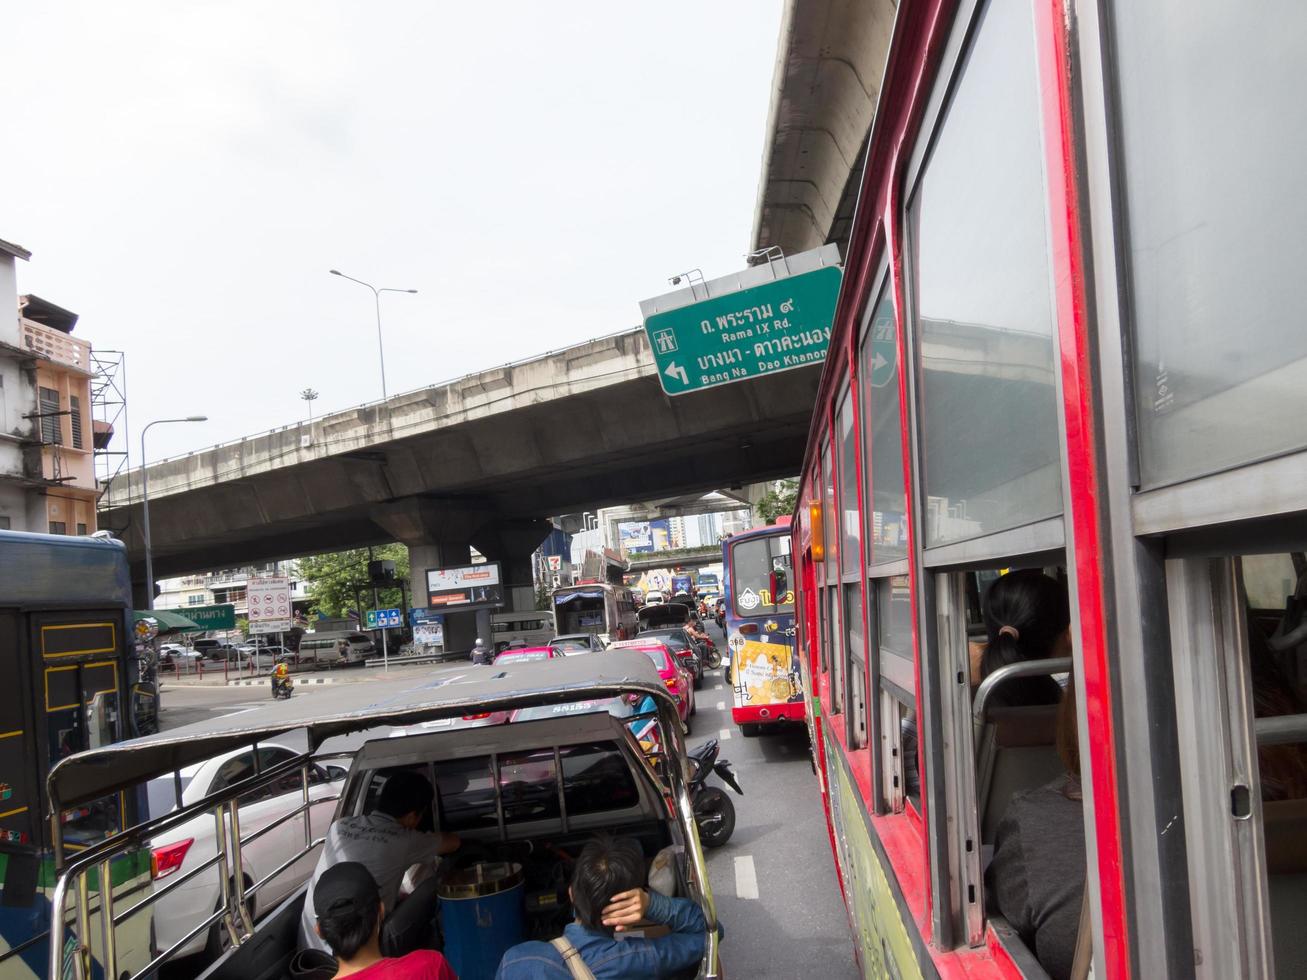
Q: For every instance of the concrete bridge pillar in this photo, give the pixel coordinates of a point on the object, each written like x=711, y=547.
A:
x=512, y=543
x=437, y=535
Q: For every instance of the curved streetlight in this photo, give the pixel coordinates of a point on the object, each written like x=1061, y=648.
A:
x=145, y=505
x=376, y=296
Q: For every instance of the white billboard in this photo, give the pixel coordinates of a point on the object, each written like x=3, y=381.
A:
x=269, y=604
x=465, y=587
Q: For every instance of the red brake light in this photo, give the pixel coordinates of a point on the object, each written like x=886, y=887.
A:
x=167, y=859
x=476, y=717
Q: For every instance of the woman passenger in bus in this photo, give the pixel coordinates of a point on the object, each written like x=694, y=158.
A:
x=1036, y=879
x=1027, y=617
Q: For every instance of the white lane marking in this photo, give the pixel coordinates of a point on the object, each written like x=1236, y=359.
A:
x=721, y=705
x=746, y=878
x=724, y=734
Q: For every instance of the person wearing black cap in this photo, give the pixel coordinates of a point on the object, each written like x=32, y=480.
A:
x=388, y=843
x=349, y=920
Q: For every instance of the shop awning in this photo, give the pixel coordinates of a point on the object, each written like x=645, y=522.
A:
x=169, y=622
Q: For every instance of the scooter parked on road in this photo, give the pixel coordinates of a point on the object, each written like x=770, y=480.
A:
x=714, y=813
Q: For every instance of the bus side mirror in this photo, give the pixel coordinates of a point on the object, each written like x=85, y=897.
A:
x=779, y=586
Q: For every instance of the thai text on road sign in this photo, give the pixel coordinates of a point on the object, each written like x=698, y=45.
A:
x=775, y=326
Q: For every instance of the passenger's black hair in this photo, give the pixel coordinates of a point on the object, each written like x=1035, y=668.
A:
x=1035, y=608
x=607, y=866
x=405, y=792
x=346, y=929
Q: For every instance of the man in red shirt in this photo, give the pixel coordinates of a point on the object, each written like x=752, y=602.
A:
x=349, y=909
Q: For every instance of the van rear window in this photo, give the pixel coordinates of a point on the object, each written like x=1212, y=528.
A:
x=596, y=778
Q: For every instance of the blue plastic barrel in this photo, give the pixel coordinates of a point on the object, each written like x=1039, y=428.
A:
x=481, y=915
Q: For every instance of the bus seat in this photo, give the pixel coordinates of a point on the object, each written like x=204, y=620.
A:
x=1284, y=825
x=1016, y=752
x=1288, y=896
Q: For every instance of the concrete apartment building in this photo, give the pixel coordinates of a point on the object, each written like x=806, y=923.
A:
x=47, y=446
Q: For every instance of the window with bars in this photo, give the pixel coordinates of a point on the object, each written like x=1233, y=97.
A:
x=51, y=430
x=75, y=416
x=58, y=527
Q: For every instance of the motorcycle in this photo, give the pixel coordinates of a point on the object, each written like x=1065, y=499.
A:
x=282, y=687
x=714, y=813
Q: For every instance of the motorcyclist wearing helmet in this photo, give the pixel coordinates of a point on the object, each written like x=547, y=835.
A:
x=481, y=653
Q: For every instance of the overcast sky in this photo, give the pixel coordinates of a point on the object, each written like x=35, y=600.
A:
x=185, y=174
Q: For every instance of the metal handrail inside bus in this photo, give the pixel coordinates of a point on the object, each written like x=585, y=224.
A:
x=1281, y=729
x=1026, y=668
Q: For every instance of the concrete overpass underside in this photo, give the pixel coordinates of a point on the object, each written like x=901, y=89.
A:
x=477, y=461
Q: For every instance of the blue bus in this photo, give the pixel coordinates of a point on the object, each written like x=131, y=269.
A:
x=71, y=682
x=764, y=662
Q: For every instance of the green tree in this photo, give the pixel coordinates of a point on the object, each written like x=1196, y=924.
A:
x=337, y=581
x=779, y=499
x=243, y=627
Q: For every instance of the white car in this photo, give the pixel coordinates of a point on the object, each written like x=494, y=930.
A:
x=194, y=842
x=654, y=599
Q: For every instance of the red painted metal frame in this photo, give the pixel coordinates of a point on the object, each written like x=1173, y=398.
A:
x=1092, y=557
x=909, y=81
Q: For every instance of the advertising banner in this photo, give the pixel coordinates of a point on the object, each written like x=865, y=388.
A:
x=635, y=537
x=465, y=587
x=428, y=628
x=269, y=603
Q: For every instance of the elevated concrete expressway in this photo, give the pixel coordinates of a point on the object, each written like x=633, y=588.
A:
x=830, y=61
x=477, y=461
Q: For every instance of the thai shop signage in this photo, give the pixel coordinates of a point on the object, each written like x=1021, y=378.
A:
x=219, y=617
x=770, y=318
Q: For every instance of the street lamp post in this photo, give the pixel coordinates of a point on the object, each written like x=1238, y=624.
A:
x=310, y=396
x=376, y=296
x=145, y=505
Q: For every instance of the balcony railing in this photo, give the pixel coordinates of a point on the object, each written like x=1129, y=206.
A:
x=56, y=345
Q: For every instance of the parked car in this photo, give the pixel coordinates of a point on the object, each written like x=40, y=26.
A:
x=176, y=656
x=336, y=648
x=265, y=658
x=214, y=649
x=574, y=643
x=679, y=681
x=686, y=648
x=519, y=655
x=194, y=842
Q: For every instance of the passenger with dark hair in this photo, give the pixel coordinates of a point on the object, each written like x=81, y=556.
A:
x=609, y=897
x=349, y=921
x=388, y=843
x=1027, y=617
x=1037, y=876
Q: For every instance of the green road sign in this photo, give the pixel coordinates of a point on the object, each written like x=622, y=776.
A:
x=761, y=330
x=221, y=617
x=884, y=347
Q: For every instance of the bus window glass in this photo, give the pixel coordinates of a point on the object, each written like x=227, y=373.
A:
x=831, y=593
x=528, y=786
x=882, y=441
x=985, y=322
x=1212, y=163
x=752, y=562
x=849, y=550
x=894, y=617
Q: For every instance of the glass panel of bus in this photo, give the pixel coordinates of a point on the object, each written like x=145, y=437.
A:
x=984, y=312
x=886, y=535
x=1213, y=165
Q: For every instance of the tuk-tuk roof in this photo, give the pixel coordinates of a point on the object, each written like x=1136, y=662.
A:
x=344, y=708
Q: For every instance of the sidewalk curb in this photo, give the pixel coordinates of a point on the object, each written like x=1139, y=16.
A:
x=264, y=681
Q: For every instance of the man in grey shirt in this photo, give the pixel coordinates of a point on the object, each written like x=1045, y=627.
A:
x=387, y=843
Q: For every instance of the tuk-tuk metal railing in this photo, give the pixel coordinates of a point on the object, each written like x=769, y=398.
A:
x=233, y=908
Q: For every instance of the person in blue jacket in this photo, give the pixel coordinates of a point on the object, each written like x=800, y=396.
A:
x=608, y=898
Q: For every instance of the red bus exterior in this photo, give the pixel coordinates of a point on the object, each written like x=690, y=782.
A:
x=1000, y=393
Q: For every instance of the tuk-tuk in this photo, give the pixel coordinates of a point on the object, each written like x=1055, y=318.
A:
x=522, y=792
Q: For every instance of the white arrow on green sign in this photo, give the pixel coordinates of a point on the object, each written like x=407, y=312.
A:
x=776, y=326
